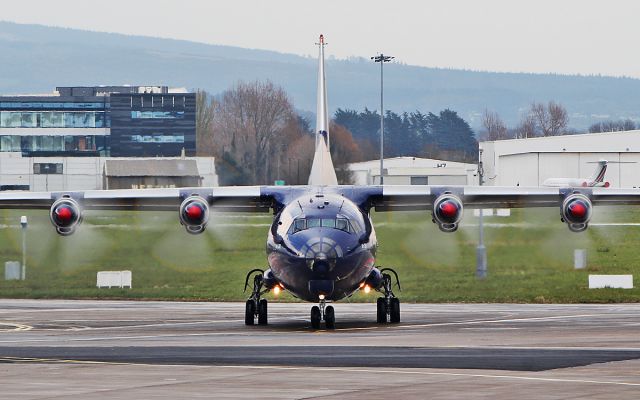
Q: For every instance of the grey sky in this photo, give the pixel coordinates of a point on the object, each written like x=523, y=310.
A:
x=564, y=36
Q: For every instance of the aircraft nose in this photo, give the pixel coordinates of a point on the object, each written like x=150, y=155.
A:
x=321, y=248
x=320, y=266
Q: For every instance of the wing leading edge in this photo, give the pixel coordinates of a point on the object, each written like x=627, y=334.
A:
x=263, y=198
x=399, y=198
x=236, y=198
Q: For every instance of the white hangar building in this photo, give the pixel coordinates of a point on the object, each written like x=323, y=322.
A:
x=414, y=171
x=528, y=162
x=44, y=174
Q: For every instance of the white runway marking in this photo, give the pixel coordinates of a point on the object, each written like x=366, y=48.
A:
x=17, y=327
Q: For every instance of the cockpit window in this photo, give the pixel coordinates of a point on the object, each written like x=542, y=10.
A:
x=328, y=223
x=299, y=224
x=343, y=224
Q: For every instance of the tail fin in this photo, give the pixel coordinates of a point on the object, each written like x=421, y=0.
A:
x=322, y=170
x=601, y=169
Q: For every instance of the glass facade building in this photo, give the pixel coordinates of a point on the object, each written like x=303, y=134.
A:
x=120, y=121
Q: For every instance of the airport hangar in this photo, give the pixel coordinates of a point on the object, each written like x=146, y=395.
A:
x=414, y=171
x=528, y=162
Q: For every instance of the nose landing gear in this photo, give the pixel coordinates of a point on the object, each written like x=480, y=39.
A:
x=255, y=306
x=389, y=305
x=320, y=312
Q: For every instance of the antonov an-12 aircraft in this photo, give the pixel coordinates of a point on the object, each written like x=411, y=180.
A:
x=321, y=246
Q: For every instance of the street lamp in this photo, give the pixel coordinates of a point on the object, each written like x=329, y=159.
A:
x=23, y=224
x=381, y=58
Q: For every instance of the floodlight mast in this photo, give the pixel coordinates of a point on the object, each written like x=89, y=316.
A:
x=481, y=250
x=381, y=58
x=23, y=224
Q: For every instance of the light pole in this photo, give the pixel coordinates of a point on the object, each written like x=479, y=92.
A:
x=481, y=251
x=23, y=224
x=381, y=58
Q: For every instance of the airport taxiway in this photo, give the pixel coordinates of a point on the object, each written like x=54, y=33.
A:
x=124, y=349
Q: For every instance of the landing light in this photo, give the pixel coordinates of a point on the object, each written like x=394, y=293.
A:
x=321, y=297
x=276, y=290
x=367, y=289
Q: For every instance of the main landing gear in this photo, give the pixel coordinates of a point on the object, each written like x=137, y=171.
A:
x=388, y=307
x=322, y=311
x=256, y=307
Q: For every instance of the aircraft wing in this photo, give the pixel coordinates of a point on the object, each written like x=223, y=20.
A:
x=417, y=197
x=447, y=202
x=232, y=198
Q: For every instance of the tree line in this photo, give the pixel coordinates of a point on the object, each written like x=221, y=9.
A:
x=257, y=137
x=444, y=135
x=551, y=119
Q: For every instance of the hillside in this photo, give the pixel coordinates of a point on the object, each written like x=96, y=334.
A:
x=35, y=59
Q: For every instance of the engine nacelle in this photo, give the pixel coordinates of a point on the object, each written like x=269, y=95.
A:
x=576, y=212
x=65, y=215
x=194, y=214
x=447, y=212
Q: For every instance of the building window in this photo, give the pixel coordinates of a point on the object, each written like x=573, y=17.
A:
x=10, y=143
x=57, y=105
x=52, y=119
x=157, y=114
x=10, y=119
x=157, y=138
x=419, y=180
x=14, y=187
x=47, y=168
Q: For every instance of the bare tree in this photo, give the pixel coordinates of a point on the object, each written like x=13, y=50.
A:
x=540, y=118
x=526, y=128
x=250, y=119
x=551, y=120
x=495, y=128
x=205, y=112
x=558, y=119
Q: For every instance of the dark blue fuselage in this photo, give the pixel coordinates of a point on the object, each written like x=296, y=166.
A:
x=321, y=245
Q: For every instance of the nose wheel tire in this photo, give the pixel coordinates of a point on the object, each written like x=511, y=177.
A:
x=394, y=311
x=382, y=310
x=389, y=305
x=315, y=317
x=330, y=317
x=262, y=312
x=249, y=312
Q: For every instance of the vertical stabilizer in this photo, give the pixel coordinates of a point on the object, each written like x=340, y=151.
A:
x=322, y=171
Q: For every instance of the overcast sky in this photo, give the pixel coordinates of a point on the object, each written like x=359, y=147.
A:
x=563, y=36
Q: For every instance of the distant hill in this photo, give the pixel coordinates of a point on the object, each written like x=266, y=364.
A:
x=35, y=59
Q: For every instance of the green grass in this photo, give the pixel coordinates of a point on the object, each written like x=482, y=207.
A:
x=530, y=260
